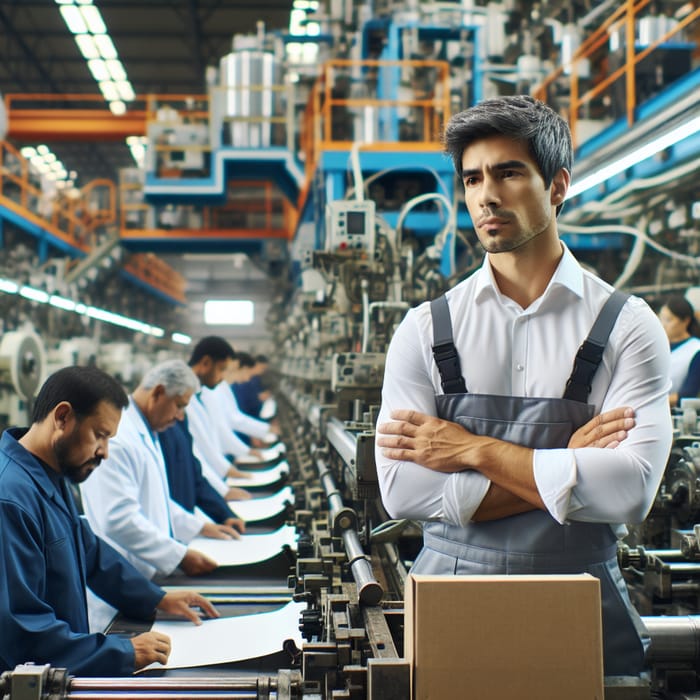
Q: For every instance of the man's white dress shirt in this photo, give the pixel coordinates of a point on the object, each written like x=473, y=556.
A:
x=507, y=350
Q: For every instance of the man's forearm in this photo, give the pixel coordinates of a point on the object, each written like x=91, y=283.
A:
x=500, y=503
x=506, y=465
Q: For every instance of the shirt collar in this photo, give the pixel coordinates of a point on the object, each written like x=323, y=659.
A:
x=146, y=425
x=568, y=275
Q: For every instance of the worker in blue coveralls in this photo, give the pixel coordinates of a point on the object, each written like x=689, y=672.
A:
x=49, y=554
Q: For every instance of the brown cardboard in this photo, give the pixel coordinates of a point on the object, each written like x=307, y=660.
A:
x=501, y=637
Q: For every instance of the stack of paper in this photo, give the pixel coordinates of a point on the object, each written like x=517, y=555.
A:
x=249, y=549
x=267, y=454
x=230, y=639
x=263, y=508
x=264, y=477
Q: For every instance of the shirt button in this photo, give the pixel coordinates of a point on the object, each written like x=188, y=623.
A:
x=519, y=367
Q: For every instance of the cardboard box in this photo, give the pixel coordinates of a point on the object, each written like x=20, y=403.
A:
x=502, y=637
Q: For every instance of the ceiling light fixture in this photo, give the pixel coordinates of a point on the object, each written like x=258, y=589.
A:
x=637, y=156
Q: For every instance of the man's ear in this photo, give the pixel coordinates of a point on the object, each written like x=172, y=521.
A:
x=158, y=391
x=560, y=186
x=62, y=414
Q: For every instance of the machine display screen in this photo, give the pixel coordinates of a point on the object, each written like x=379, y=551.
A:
x=355, y=222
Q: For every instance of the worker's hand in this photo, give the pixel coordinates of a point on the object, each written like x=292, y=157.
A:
x=150, y=647
x=236, y=523
x=607, y=429
x=426, y=440
x=236, y=494
x=275, y=426
x=196, y=563
x=183, y=604
x=236, y=473
x=219, y=532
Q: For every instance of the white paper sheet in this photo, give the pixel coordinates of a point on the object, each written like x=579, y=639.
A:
x=230, y=639
x=264, y=477
x=257, y=509
x=249, y=549
x=267, y=454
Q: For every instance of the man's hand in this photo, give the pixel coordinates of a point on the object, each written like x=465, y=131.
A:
x=426, y=440
x=195, y=563
x=236, y=523
x=150, y=647
x=236, y=473
x=219, y=532
x=236, y=494
x=607, y=429
x=182, y=603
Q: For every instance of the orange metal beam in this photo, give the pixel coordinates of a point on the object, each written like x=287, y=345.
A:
x=127, y=234
x=30, y=125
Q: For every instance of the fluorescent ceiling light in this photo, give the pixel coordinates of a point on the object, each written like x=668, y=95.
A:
x=93, y=19
x=8, y=286
x=229, y=312
x=87, y=46
x=181, y=338
x=109, y=90
x=117, y=107
x=34, y=294
x=125, y=90
x=105, y=46
x=637, y=156
x=62, y=302
x=73, y=19
x=116, y=69
x=98, y=68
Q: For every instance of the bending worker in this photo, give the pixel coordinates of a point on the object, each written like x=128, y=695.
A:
x=485, y=430
x=49, y=555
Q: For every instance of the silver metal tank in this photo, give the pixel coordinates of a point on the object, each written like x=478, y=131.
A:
x=247, y=76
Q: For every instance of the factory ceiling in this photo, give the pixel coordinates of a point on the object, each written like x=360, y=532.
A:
x=164, y=45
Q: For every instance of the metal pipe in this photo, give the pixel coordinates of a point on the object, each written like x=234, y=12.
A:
x=344, y=521
x=166, y=695
x=674, y=639
x=344, y=442
x=179, y=683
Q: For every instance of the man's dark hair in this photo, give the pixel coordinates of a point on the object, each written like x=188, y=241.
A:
x=262, y=359
x=82, y=387
x=522, y=118
x=245, y=359
x=212, y=346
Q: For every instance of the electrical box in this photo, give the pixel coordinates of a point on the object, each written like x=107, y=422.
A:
x=350, y=225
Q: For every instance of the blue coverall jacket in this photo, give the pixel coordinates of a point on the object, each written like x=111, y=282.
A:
x=48, y=555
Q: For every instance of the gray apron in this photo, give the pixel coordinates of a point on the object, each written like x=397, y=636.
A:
x=533, y=542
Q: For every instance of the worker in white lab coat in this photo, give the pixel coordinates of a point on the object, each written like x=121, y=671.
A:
x=128, y=501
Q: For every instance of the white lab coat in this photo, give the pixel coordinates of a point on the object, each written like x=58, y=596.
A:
x=127, y=501
x=222, y=406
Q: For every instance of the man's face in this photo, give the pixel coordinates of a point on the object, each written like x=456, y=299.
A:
x=84, y=445
x=164, y=410
x=505, y=194
x=211, y=372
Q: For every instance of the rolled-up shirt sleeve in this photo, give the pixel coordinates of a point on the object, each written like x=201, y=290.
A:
x=618, y=485
x=410, y=490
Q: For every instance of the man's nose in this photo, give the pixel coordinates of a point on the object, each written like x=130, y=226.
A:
x=489, y=195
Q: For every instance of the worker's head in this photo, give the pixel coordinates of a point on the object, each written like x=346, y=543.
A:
x=677, y=316
x=164, y=393
x=246, y=367
x=210, y=359
x=262, y=362
x=78, y=409
x=540, y=131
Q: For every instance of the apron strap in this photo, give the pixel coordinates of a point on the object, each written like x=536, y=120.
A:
x=590, y=353
x=444, y=350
